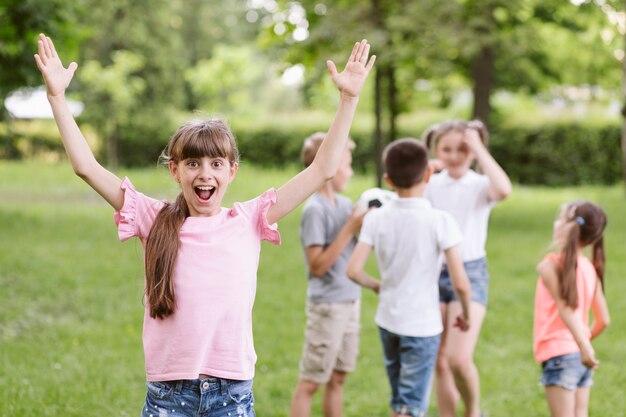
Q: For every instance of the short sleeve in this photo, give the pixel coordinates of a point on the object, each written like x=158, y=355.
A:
x=137, y=214
x=448, y=232
x=268, y=231
x=312, y=227
x=368, y=228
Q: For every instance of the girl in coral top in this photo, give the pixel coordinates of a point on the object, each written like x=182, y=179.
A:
x=201, y=259
x=568, y=288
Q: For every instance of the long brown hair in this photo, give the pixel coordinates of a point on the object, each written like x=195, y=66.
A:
x=584, y=225
x=194, y=139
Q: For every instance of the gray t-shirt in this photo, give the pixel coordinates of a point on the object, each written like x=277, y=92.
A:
x=320, y=225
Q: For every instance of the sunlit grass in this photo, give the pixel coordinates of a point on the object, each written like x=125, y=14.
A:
x=71, y=301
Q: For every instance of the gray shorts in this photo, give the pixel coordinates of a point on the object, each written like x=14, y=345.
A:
x=479, y=279
x=331, y=340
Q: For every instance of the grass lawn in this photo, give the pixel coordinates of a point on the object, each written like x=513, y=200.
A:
x=71, y=302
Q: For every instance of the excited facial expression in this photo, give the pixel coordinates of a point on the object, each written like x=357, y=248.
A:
x=452, y=150
x=204, y=182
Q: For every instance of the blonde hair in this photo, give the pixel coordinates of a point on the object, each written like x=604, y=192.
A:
x=312, y=144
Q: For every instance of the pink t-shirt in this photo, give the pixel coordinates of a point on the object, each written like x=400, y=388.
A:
x=551, y=335
x=210, y=331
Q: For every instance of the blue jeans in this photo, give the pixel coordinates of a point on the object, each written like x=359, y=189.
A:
x=478, y=276
x=215, y=397
x=566, y=371
x=410, y=362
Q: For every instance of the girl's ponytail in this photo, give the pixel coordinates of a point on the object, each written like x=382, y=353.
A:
x=160, y=258
x=567, y=277
x=585, y=224
x=599, y=259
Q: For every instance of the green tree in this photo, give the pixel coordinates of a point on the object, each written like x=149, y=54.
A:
x=21, y=21
x=117, y=88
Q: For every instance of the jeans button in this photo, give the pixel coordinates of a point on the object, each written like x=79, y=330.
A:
x=205, y=385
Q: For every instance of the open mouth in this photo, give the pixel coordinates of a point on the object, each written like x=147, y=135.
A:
x=204, y=192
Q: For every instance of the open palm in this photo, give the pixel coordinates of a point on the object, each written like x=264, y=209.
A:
x=56, y=76
x=351, y=79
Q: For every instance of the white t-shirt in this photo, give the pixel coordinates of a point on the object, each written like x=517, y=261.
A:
x=467, y=200
x=408, y=236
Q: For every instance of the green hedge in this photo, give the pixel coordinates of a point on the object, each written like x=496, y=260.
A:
x=559, y=154
x=552, y=154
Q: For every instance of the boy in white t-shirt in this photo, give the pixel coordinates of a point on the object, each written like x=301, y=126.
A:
x=408, y=237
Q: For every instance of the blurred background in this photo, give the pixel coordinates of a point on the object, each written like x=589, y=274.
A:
x=546, y=76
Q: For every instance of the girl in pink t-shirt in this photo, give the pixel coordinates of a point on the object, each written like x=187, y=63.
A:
x=201, y=259
x=568, y=288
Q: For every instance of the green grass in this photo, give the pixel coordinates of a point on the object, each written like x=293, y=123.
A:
x=71, y=302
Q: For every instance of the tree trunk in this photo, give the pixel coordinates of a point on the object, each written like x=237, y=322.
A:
x=392, y=102
x=624, y=111
x=483, y=76
x=378, y=130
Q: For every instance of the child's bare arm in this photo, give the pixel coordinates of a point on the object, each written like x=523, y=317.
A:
x=499, y=182
x=349, y=83
x=80, y=155
x=461, y=285
x=356, y=265
x=601, y=318
x=549, y=275
x=320, y=259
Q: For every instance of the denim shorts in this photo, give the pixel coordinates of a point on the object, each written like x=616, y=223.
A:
x=216, y=397
x=566, y=371
x=479, y=279
x=410, y=362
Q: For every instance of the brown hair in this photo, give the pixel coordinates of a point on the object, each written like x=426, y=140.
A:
x=312, y=144
x=194, y=139
x=432, y=135
x=585, y=224
x=405, y=161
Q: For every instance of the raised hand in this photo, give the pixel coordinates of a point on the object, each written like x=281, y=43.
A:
x=351, y=79
x=56, y=76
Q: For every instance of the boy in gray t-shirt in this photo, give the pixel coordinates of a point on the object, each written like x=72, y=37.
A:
x=327, y=231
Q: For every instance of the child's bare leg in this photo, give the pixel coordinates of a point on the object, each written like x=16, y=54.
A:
x=459, y=351
x=302, y=397
x=562, y=402
x=447, y=394
x=333, y=395
x=582, y=402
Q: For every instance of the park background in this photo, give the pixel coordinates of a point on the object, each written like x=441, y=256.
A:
x=546, y=76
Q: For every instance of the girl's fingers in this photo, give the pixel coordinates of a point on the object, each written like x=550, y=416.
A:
x=331, y=68
x=51, y=47
x=353, y=54
x=47, y=54
x=39, y=63
x=72, y=67
x=359, y=53
x=370, y=64
x=365, y=54
x=42, y=52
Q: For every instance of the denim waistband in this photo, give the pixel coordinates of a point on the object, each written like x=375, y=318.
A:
x=468, y=264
